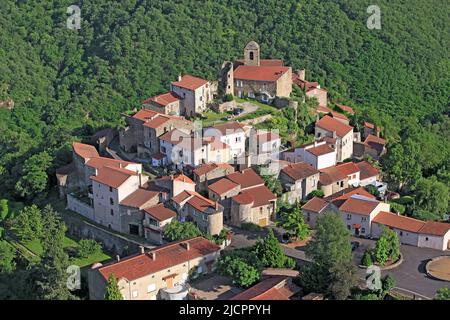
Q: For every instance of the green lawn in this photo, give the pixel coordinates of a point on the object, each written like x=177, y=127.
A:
x=36, y=247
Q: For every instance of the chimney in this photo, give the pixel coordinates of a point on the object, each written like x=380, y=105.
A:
x=152, y=255
x=118, y=258
x=179, y=77
x=186, y=245
x=142, y=249
x=216, y=205
x=301, y=73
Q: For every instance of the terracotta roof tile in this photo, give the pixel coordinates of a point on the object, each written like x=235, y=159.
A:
x=112, y=176
x=316, y=204
x=359, y=205
x=160, y=213
x=100, y=162
x=271, y=288
x=366, y=170
x=339, y=115
x=346, y=108
x=208, y=167
x=163, y=99
x=190, y=82
x=260, y=73
x=372, y=139
x=84, y=150
x=399, y=222
x=247, y=178
x=320, y=150
x=139, y=198
x=435, y=228
x=167, y=256
x=299, y=170
x=183, y=178
x=271, y=63
x=222, y=186
x=261, y=196
x=145, y=114
x=369, y=125
x=348, y=168
x=330, y=124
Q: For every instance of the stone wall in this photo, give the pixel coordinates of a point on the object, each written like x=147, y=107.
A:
x=80, y=207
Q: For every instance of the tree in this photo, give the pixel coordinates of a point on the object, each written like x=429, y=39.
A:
x=315, y=193
x=372, y=190
x=443, y=294
x=273, y=184
x=239, y=269
x=28, y=224
x=387, y=247
x=87, y=247
x=387, y=284
x=4, y=209
x=34, y=175
x=431, y=196
x=401, y=164
x=50, y=275
x=177, y=230
x=291, y=219
x=112, y=289
x=367, y=259
x=270, y=253
x=7, y=256
x=331, y=253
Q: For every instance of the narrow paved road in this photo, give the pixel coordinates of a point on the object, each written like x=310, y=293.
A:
x=410, y=276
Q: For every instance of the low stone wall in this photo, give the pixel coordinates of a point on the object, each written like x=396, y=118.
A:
x=112, y=241
x=257, y=120
x=80, y=207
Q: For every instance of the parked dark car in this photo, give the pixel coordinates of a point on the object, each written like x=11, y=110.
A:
x=238, y=111
x=355, y=245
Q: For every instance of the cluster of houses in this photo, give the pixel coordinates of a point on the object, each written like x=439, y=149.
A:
x=216, y=183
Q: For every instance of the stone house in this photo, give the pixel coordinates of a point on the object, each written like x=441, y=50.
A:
x=368, y=173
x=332, y=180
x=206, y=214
x=262, y=79
x=373, y=146
x=298, y=180
x=318, y=154
x=209, y=173
x=167, y=103
x=161, y=273
x=195, y=94
x=332, y=128
x=155, y=219
x=233, y=134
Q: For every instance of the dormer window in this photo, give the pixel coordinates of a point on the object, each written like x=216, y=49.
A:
x=252, y=55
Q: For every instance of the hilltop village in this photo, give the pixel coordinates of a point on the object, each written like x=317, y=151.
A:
x=200, y=157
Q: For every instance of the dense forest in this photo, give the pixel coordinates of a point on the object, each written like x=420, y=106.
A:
x=58, y=85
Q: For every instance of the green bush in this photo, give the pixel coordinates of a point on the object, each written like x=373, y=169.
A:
x=372, y=190
x=315, y=193
x=366, y=259
x=87, y=247
x=228, y=97
x=397, y=207
x=249, y=226
x=242, y=273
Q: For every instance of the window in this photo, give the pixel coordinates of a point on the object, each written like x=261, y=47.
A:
x=112, y=212
x=363, y=230
x=363, y=219
x=151, y=287
x=426, y=239
x=401, y=233
x=135, y=293
x=110, y=189
x=348, y=227
x=163, y=149
x=349, y=216
x=199, y=269
x=111, y=201
x=252, y=55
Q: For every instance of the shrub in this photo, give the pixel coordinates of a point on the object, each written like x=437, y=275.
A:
x=397, y=207
x=228, y=97
x=315, y=193
x=372, y=190
x=242, y=273
x=249, y=226
x=87, y=247
x=367, y=259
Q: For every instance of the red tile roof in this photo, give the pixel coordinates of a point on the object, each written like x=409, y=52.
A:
x=174, y=136
x=330, y=124
x=166, y=256
x=435, y=228
x=339, y=115
x=156, y=122
x=100, y=162
x=190, y=82
x=208, y=167
x=230, y=127
x=320, y=150
x=160, y=213
x=348, y=168
x=399, y=222
x=201, y=203
x=366, y=170
x=271, y=288
x=222, y=186
x=163, y=99
x=145, y=114
x=270, y=74
x=247, y=178
x=261, y=196
x=267, y=136
x=182, y=196
x=183, y=178
x=139, y=198
x=112, y=176
x=323, y=109
x=84, y=150
x=348, y=192
x=316, y=204
x=331, y=175
x=369, y=125
x=346, y=108
x=299, y=170
x=243, y=198
x=271, y=63
x=371, y=139
x=359, y=205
